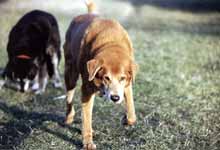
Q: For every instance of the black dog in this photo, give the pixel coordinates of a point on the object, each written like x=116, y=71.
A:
x=34, y=51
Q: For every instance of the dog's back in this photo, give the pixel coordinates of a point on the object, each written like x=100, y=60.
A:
x=87, y=34
x=30, y=32
x=75, y=35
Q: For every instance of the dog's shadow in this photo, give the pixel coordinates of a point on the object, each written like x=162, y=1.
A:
x=15, y=131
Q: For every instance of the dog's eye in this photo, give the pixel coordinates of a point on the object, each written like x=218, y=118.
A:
x=122, y=78
x=98, y=77
x=106, y=78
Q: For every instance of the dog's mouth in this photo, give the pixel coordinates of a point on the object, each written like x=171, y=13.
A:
x=102, y=92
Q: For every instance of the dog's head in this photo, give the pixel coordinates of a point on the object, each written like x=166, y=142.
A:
x=21, y=69
x=111, y=76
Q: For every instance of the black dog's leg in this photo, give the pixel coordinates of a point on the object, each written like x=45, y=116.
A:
x=2, y=82
x=22, y=83
x=53, y=60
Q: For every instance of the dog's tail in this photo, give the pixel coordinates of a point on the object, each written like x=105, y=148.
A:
x=91, y=6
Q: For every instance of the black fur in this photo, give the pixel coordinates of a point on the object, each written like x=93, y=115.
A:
x=31, y=36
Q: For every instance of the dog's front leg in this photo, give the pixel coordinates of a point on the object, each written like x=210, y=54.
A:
x=24, y=85
x=87, y=106
x=130, y=117
x=2, y=83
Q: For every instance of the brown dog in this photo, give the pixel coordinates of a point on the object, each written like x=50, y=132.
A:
x=101, y=52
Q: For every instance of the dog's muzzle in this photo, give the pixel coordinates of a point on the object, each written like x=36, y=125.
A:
x=104, y=92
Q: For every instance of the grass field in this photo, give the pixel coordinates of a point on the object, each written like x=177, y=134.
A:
x=177, y=89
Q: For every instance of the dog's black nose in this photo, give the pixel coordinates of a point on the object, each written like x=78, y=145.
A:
x=115, y=98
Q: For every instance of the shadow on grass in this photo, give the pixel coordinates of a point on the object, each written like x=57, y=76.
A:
x=13, y=133
x=196, y=6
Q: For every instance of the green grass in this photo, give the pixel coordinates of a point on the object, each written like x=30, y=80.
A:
x=177, y=89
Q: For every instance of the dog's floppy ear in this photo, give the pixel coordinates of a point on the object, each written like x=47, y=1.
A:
x=93, y=66
x=133, y=70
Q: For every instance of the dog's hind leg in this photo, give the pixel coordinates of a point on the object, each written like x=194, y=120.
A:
x=70, y=112
x=53, y=58
x=56, y=77
x=71, y=77
x=43, y=79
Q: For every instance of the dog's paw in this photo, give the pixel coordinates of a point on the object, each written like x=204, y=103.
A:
x=39, y=92
x=68, y=120
x=35, y=87
x=126, y=121
x=58, y=84
x=89, y=146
